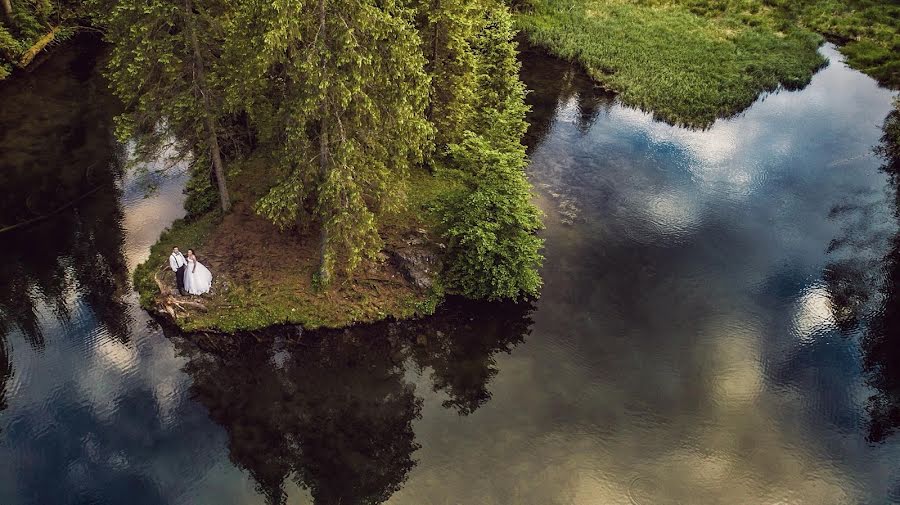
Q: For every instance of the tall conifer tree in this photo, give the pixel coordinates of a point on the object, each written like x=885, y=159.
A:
x=449, y=28
x=489, y=223
x=164, y=68
x=338, y=88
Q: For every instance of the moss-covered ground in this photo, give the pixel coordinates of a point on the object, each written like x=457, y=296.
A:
x=263, y=276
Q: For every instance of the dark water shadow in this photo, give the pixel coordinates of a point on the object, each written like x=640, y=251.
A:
x=334, y=410
x=558, y=82
x=881, y=343
x=58, y=146
x=865, y=292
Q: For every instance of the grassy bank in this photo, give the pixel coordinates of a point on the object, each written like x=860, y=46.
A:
x=263, y=276
x=868, y=32
x=184, y=233
x=692, y=61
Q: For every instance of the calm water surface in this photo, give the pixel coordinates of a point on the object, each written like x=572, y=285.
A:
x=718, y=326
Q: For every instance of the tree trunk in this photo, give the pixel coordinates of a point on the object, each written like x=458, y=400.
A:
x=218, y=166
x=7, y=11
x=429, y=111
x=324, y=270
x=208, y=120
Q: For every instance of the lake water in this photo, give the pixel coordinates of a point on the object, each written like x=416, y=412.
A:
x=719, y=325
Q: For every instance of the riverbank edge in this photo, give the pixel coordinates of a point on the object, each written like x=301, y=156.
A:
x=151, y=280
x=558, y=47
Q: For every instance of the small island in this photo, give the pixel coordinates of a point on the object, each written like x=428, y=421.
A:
x=265, y=276
x=348, y=164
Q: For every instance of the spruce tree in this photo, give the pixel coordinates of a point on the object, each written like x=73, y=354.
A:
x=337, y=89
x=489, y=222
x=164, y=67
x=449, y=28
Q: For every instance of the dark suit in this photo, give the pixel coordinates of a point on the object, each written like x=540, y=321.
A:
x=179, y=278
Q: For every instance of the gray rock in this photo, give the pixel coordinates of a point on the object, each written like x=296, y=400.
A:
x=418, y=261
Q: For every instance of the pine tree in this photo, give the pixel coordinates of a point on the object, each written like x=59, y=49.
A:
x=337, y=89
x=449, y=28
x=164, y=68
x=489, y=223
x=500, y=97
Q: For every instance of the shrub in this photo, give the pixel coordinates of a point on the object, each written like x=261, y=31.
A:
x=489, y=224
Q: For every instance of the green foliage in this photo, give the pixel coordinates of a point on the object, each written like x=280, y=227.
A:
x=10, y=47
x=489, y=222
x=428, y=305
x=169, y=87
x=201, y=192
x=32, y=20
x=447, y=34
x=500, y=101
x=348, y=121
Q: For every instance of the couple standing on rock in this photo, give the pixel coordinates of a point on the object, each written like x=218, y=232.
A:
x=190, y=275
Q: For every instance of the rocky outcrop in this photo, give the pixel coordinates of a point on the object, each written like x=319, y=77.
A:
x=417, y=258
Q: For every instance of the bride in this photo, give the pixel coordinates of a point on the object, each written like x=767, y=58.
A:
x=197, y=277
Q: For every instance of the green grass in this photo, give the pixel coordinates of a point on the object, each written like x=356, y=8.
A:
x=868, y=31
x=247, y=309
x=692, y=61
x=183, y=231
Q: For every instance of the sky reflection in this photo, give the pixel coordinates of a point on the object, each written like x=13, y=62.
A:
x=685, y=348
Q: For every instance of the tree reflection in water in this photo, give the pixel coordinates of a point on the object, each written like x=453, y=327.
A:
x=460, y=344
x=5, y=372
x=558, y=82
x=332, y=409
x=865, y=293
x=57, y=145
x=881, y=344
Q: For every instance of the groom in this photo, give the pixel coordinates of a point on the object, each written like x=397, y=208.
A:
x=177, y=263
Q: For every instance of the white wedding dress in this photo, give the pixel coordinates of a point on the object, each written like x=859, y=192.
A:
x=197, y=278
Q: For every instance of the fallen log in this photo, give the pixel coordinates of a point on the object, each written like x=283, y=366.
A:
x=182, y=303
x=51, y=213
x=38, y=46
